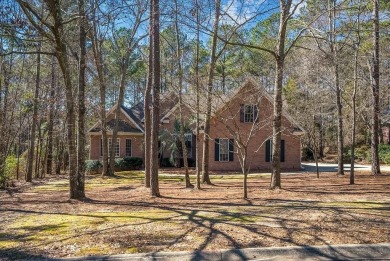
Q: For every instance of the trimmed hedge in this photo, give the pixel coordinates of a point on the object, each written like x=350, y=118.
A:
x=128, y=163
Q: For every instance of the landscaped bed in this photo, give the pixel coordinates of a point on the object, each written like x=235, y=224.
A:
x=119, y=216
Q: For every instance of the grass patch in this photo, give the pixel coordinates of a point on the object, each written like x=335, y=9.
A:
x=45, y=229
x=59, y=185
x=8, y=244
x=131, y=250
x=357, y=204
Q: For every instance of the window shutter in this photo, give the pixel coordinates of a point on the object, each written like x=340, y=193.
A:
x=268, y=151
x=282, y=150
x=231, y=149
x=216, y=151
x=241, y=112
x=256, y=113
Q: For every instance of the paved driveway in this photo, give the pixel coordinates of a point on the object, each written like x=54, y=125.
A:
x=332, y=167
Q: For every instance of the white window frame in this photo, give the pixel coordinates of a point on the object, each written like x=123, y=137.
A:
x=131, y=148
x=249, y=117
x=225, y=156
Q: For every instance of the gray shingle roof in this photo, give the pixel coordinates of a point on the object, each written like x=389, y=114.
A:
x=122, y=127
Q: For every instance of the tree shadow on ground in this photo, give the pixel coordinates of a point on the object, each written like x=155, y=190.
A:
x=268, y=221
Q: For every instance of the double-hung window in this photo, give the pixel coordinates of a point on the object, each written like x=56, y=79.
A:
x=249, y=113
x=128, y=147
x=224, y=149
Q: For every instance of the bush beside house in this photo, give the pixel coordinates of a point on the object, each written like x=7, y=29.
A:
x=121, y=164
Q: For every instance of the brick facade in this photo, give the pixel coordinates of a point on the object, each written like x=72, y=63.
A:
x=227, y=123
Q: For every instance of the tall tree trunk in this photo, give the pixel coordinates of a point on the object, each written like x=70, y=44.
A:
x=98, y=57
x=63, y=61
x=340, y=135
x=49, y=159
x=121, y=97
x=58, y=157
x=38, y=151
x=355, y=86
x=154, y=186
x=245, y=171
x=355, y=79
x=375, y=167
x=197, y=156
x=180, y=76
x=206, y=138
x=147, y=103
x=278, y=103
x=321, y=147
x=81, y=136
x=31, y=150
x=335, y=65
x=277, y=122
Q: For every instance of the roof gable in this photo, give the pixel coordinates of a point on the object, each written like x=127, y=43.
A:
x=131, y=124
x=253, y=85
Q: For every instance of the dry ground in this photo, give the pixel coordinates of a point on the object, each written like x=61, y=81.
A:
x=119, y=216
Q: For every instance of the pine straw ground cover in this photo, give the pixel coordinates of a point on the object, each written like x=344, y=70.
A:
x=119, y=216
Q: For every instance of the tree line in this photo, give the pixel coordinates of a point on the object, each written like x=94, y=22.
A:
x=64, y=63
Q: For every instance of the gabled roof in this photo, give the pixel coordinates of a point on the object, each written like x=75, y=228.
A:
x=250, y=81
x=123, y=126
x=135, y=113
x=169, y=104
x=130, y=114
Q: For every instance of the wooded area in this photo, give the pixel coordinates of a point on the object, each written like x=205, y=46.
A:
x=63, y=64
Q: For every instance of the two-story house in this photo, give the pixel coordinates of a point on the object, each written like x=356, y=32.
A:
x=240, y=127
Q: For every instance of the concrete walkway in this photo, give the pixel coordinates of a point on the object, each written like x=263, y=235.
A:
x=332, y=167
x=335, y=252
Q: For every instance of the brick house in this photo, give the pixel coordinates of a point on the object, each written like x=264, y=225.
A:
x=241, y=125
